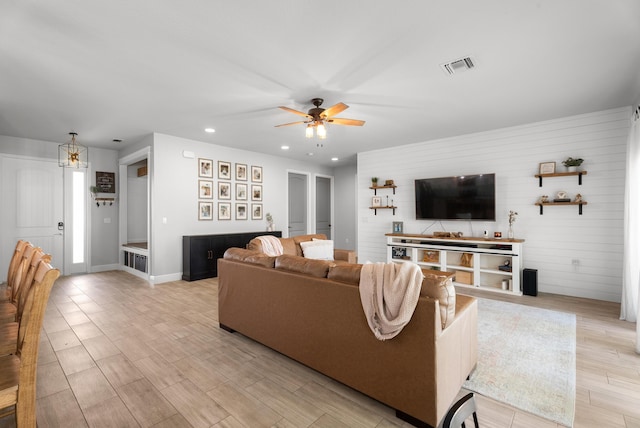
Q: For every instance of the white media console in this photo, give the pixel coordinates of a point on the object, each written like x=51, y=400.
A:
x=490, y=264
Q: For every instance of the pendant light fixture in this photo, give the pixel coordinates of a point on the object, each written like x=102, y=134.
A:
x=72, y=154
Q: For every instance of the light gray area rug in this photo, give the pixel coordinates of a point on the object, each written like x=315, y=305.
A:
x=527, y=359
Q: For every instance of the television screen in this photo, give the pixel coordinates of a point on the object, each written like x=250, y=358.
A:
x=465, y=197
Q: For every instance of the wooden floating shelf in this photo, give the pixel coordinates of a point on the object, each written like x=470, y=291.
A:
x=562, y=174
x=375, y=209
x=541, y=205
x=375, y=188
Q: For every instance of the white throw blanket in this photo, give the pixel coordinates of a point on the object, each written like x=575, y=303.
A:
x=389, y=294
x=271, y=245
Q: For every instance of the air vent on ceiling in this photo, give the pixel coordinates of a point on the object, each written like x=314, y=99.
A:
x=458, y=65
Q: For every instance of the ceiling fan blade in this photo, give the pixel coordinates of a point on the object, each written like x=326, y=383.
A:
x=292, y=123
x=334, y=110
x=342, y=121
x=290, y=110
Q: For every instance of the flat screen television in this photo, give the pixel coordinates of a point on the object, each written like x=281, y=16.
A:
x=465, y=197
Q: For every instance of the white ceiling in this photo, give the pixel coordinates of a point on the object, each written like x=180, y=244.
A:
x=123, y=69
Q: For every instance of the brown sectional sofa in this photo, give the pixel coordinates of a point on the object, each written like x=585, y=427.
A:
x=292, y=246
x=310, y=311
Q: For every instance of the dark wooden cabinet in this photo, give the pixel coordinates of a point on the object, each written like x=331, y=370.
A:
x=200, y=253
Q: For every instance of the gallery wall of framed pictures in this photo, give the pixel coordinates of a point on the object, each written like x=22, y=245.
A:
x=233, y=192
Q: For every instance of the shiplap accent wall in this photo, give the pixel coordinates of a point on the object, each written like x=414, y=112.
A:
x=555, y=240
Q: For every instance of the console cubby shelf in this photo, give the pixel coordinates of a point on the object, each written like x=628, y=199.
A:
x=475, y=261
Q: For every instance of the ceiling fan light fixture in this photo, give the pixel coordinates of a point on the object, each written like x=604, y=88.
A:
x=309, y=131
x=321, y=131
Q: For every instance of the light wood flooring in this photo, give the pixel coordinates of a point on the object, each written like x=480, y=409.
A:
x=117, y=352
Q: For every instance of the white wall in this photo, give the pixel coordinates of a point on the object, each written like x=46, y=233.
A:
x=554, y=239
x=175, y=196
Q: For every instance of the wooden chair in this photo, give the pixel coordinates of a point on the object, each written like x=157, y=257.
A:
x=460, y=411
x=8, y=309
x=5, y=293
x=18, y=371
x=9, y=331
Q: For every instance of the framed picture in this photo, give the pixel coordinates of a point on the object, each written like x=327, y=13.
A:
x=397, y=227
x=256, y=192
x=205, y=189
x=241, y=191
x=241, y=211
x=205, y=168
x=256, y=174
x=256, y=211
x=224, y=211
x=106, y=182
x=205, y=210
x=224, y=190
x=547, y=168
x=241, y=172
x=376, y=201
x=224, y=170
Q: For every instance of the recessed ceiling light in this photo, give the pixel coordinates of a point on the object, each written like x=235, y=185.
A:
x=284, y=147
x=209, y=130
x=334, y=159
x=310, y=154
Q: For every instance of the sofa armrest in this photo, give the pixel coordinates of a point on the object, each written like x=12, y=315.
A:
x=345, y=255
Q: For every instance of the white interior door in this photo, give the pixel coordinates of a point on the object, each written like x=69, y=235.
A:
x=323, y=206
x=297, y=204
x=32, y=208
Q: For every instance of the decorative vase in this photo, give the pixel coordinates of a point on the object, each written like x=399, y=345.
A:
x=510, y=232
x=271, y=227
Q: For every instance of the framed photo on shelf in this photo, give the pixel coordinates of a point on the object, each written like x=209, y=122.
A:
x=241, y=191
x=205, y=189
x=205, y=210
x=224, y=170
x=224, y=211
x=205, y=168
x=241, y=211
x=376, y=201
x=241, y=172
x=256, y=192
x=224, y=190
x=256, y=211
x=256, y=174
x=547, y=168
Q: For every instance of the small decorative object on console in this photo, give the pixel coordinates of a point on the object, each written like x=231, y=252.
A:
x=506, y=266
x=497, y=235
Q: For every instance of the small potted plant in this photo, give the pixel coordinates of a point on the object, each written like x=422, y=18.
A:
x=270, y=225
x=572, y=164
x=374, y=181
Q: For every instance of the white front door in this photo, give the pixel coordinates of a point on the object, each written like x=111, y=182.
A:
x=31, y=192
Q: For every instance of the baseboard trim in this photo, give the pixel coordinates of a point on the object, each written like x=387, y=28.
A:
x=159, y=279
x=410, y=419
x=104, y=268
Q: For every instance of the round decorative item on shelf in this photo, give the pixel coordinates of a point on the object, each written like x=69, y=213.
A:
x=562, y=195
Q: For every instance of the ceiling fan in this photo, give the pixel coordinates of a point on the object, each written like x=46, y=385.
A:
x=318, y=116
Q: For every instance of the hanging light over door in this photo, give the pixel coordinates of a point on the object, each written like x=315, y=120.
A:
x=72, y=154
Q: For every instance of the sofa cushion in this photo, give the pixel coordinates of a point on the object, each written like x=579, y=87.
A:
x=345, y=272
x=304, y=238
x=321, y=249
x=249, y=256
x=312, y=267
x=289, y=246
x=440, y=287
